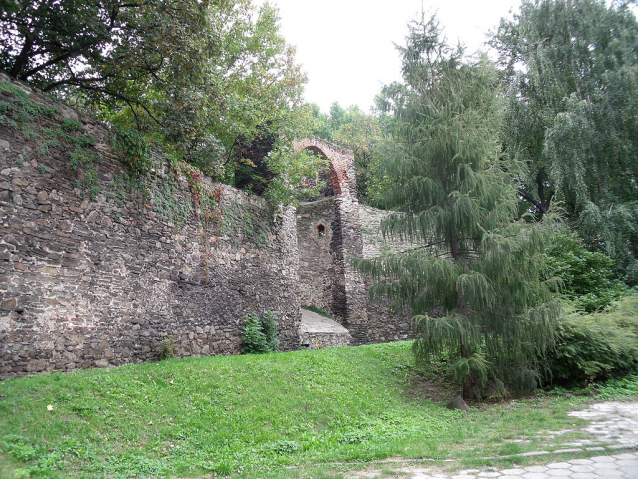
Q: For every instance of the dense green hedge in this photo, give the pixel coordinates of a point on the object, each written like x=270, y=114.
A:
x=596, y=346
x=588, y=278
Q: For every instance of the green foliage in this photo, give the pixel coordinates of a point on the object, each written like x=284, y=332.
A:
x=85, y=164
x=27, y=116
x=42, y=463
x=624, y=389
x=18, y=447
x=196, y=78
x=135, y=149
x=7, y=88
x=253, y=337
x=588, y=278
x=596, y=346
x=69, y=125
x=166, y=199
x=260, y=335
x=360, y=132
x=269, y=327
x=167, y=349
x=21, y=112
x=571, y=71
x=270, y=412
x=473, y=282
x=246, y=223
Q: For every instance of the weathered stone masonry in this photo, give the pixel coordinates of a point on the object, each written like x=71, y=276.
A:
x=86, y=283
x=93, y=282
x=330, y=231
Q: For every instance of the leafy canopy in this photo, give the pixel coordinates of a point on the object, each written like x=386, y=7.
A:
x=472, y=281
x=197, y=77
x=360, y=132
x=571, y=70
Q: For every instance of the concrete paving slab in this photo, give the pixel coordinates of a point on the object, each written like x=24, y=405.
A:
x=616, y=422
x=312, y=322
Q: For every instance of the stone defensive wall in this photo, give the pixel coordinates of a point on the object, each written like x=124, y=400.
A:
x=332, y=230
x=98, y=269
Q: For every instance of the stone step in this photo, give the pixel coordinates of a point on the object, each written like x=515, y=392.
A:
x=316, y=332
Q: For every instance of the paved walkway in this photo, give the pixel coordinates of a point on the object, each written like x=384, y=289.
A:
x=615, y=426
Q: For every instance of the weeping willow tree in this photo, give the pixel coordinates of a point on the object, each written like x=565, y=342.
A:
x=571, y=71
x=472, y=281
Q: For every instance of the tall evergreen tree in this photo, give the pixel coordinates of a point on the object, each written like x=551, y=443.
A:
x=571, y=67
x=472, y=282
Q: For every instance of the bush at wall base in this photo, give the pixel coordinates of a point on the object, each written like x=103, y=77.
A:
x=260, y=335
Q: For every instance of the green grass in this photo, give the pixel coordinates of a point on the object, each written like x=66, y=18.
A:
x=272, y=415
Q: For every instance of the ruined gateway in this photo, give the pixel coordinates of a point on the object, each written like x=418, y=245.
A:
x=100, y=277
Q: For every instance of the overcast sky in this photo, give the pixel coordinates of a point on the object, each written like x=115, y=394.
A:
x=347, y=46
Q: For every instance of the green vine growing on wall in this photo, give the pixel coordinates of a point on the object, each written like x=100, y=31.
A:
x=242, y=221
x=168, y=200
x=20, y=112
x=135, y=150
x=49, y=132
x=205, y=200
x=85, y=164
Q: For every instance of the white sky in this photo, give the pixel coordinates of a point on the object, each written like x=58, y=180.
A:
x=347, y=46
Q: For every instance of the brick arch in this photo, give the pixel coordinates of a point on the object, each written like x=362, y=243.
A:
x=341, y=170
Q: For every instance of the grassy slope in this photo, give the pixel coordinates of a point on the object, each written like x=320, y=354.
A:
x=246, y=414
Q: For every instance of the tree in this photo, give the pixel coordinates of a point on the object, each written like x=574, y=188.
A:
x=360, y=132
x=197, y=77
x=472, y=282
x=571, y=68
x=588, y=278
x=109, y=50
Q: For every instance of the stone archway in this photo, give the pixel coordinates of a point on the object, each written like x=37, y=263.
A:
x=341, y=172
x=327, y=278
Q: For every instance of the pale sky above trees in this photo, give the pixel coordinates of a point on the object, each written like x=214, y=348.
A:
x=347, y=46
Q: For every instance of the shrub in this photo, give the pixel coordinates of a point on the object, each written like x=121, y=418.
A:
x=167, y=349
x=260, y=335
x=596, y=346
x=269, y=327
x=588, y=277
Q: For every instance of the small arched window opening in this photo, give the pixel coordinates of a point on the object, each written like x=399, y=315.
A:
x=320, y=230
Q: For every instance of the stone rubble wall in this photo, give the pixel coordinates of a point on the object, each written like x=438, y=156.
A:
x=327, y=278
x=317, y=269
x=94, y=282
x=101, y=271
x=320, y=340
x=322, y=280
x=374, y=244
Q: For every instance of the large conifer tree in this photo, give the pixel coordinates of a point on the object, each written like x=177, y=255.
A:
x=472, y=282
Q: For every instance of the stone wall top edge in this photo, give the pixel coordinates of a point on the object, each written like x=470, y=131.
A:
x=229, y=192
x=43, y=97
x=339, y=150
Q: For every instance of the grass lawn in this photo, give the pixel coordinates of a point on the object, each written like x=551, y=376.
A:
x=273, y=415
